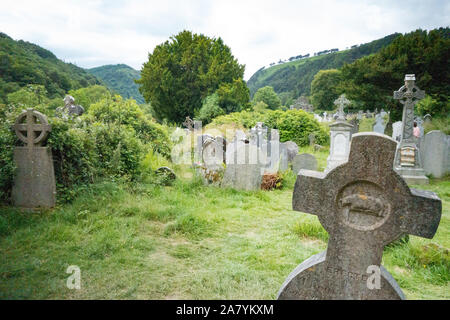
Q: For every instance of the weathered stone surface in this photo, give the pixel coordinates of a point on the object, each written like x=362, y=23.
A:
x=70, y=108
x=397, y=131
x=363, y=205
x=292, y=150
x=379, y=125
x=34, y=183
x=435, y=153
x=304, y=161
x=407, y=161
x=340, y=133
x=166, y=175
x=244, y=172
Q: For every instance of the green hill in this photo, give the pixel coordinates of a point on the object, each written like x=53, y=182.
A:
x=120, y=78
x=293, y=79
x=23, y=63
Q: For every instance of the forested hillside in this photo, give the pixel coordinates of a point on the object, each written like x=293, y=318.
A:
x=293, y=79
x=120, y=78
x=23, y=63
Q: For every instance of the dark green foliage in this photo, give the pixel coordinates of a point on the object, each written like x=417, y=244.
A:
x=181, y=72
x=370, y=81
x=23, y=63
x=325, y=89
x=6, y=156
x=120, y=78
x=296, y=77
x=268, y=96
x=293, y=125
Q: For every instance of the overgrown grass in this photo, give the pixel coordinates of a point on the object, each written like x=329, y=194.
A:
x=187, y=241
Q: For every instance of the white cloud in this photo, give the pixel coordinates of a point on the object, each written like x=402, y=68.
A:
x=93, y=33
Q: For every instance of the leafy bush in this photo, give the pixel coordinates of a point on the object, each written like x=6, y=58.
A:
x=128, y=113
x=6, y=159
x=210, y=109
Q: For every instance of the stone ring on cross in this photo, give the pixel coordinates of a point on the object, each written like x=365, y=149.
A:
x=34, y=124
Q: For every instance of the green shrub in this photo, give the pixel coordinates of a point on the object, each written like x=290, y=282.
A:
x=6, y=159
x=210, y=109
x=128, y=113
x=74, y=155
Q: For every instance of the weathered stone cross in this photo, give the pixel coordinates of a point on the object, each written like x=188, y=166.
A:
x=36, y=132
x=188, y=123
x=341, y=102
x=364, y=205
x=408, y=95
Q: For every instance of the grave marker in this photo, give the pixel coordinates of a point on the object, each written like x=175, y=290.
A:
x=34, y=184
x=364, y=205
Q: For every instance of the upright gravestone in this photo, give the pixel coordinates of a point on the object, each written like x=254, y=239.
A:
x=304, y=161
x=363, y=205
x=242, y=171
x=435, y=153
x=340, y=132
x=292, y=150
x=397, y=131
x=34, y=184
x=407, y=161
x=379, y=125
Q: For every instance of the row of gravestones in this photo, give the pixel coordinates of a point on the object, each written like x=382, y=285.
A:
x=247, y=159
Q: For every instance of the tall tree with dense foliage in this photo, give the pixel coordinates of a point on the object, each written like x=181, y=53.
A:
x=268, y=96
x=325, y=89
x=370, y=81
x=183, y=71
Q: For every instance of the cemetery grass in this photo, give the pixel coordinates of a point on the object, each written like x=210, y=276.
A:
x=188, y=241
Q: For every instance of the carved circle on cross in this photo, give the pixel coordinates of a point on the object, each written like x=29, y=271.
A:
x=30, y=122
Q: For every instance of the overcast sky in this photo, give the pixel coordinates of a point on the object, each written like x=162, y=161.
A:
x=94, y=33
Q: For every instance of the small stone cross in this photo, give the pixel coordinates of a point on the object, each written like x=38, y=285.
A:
x=188, y=123
x=363, y=205
x=408, y=95
x=35, y=132
x=341, y=102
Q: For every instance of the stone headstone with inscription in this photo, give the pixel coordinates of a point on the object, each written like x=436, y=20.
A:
x=34, y=183
x=363, y=205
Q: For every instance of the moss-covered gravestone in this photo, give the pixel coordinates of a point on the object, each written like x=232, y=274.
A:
x=34, y=184
x=364, y=205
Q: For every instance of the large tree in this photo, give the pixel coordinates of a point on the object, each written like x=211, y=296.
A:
x=184, y=70
x=325, y=89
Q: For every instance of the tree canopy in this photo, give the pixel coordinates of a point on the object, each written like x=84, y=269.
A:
x=325, y=88
x=268, y=96
x=183, y=71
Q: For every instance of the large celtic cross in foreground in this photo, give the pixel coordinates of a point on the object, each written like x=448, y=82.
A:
x=363, y=205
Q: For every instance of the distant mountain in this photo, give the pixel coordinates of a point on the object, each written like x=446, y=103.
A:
x=23, y=63
x=120, y=78
x=293, y=79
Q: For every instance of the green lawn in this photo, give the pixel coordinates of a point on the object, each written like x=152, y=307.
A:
x=187, y=241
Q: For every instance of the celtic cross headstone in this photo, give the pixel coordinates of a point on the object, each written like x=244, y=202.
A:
x=407, y=161
x=34, y=184
x=363, y=205
x=341, y=102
